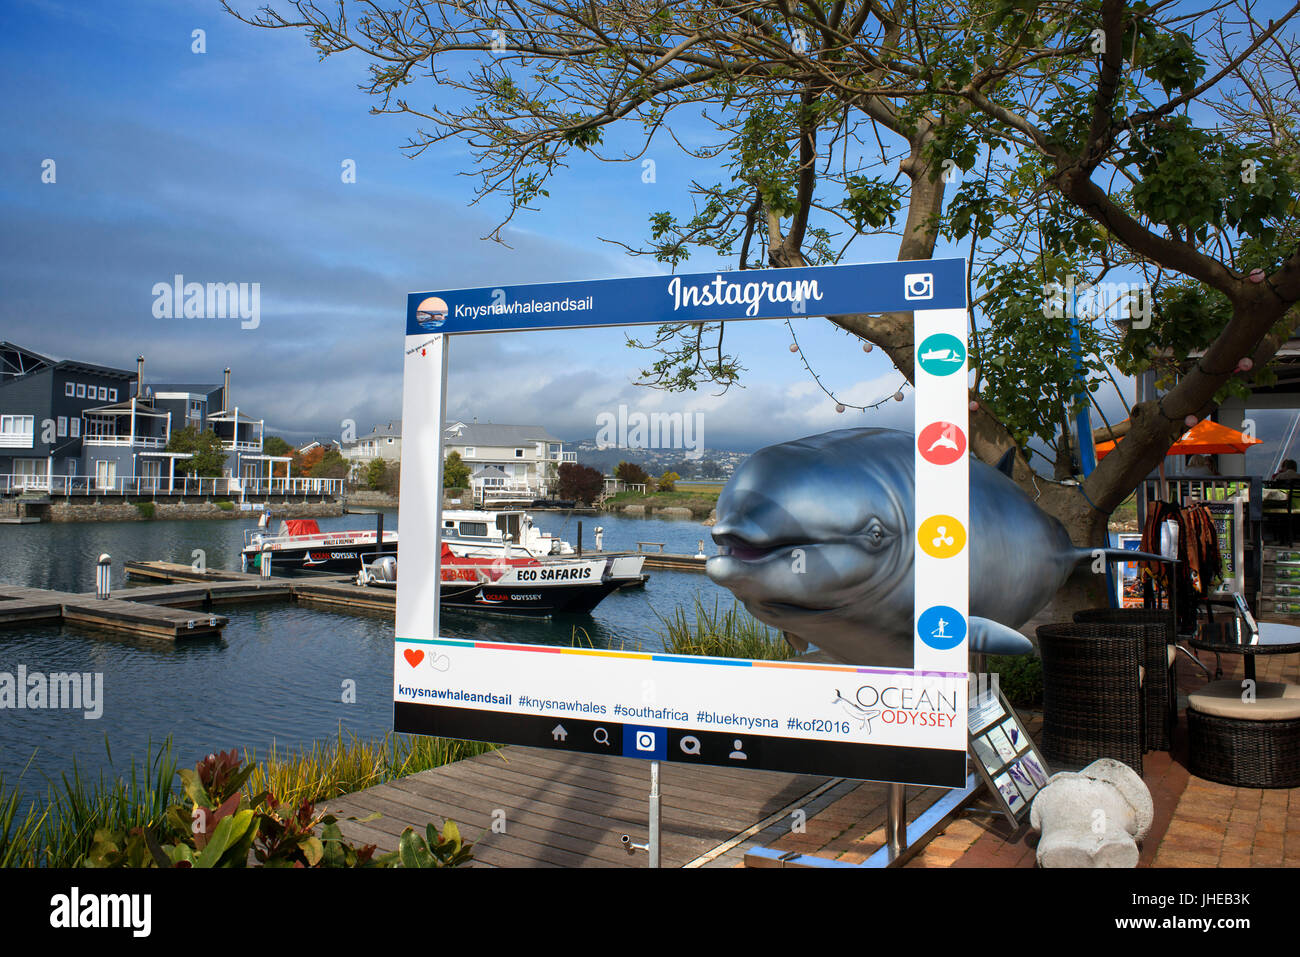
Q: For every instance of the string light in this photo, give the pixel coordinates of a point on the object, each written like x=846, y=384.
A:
x=840, y=405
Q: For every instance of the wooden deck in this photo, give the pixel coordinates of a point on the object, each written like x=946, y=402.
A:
x=19, y=605
x=570, y=810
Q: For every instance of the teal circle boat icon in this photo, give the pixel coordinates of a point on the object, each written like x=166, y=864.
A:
x=941, y=354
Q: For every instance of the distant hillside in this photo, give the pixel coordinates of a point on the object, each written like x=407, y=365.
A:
x=711, y=465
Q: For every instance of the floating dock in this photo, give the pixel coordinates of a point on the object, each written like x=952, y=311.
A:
x=19, y=605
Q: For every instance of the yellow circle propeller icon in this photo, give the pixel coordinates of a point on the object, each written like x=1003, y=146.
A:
x=941, y=536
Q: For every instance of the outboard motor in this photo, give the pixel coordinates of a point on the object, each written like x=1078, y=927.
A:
x=385, y=569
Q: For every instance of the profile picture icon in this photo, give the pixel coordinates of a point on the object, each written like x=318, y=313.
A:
x=431, y=313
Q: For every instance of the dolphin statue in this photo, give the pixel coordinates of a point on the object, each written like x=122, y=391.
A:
x=817, y=537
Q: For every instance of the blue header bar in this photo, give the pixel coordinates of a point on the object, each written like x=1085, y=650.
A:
x=698, y=297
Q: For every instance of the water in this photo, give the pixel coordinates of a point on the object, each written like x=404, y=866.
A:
x=277, y=676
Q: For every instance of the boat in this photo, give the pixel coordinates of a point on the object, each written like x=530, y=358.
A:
x=300, y=545
x=526, y=586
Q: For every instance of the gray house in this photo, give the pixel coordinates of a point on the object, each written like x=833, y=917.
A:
x=70, y=426
x=43, y=407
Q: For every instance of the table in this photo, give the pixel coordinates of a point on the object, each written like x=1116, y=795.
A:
x=1274, y=639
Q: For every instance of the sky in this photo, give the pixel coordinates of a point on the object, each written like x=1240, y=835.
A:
x=226, y=166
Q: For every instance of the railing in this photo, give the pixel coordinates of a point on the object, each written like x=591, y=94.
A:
x=232, y=446
x=564, y=456
x=143, y=441
x=13, y=483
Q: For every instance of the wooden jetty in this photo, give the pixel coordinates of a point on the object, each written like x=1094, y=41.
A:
x=560, y=809
x=19, y=605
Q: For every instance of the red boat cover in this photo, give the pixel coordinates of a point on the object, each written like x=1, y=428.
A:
x=462, y=567
x=300, y=526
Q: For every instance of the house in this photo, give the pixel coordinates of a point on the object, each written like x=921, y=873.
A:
x=505, y=461
x=69, y=426
x=381, y=442
x=43, y=406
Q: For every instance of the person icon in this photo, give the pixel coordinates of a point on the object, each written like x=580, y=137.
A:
x=940, y=632
x=738, y=755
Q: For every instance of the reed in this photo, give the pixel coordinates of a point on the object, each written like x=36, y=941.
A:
x=329, y=769
x=722, y=633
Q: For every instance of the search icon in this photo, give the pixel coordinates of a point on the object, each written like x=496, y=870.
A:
x=690, y=744
x=601, y=736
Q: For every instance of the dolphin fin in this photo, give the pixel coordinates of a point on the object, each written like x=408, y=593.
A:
x=994, y=638
x=795, y=642
x=1007, y=464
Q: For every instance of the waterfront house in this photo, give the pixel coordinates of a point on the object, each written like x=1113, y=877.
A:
x=508, y=461
x=71, y=427
x=381, y=442
x=43, y=404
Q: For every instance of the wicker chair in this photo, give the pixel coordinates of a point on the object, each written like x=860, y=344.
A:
x=1159, y=688
x=1092, y=699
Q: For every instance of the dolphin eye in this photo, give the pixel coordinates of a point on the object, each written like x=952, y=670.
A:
x=875, y=533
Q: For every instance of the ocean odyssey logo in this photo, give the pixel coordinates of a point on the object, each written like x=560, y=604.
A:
x=925, y=707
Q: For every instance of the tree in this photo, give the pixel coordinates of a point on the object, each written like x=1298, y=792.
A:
x=375, y=473
x=331, y=464
x=631, y=474
x=274, y=445
x=668, y=481
x=1085, y=138
x=208, y=457
x=455, y=473
x=580, y=483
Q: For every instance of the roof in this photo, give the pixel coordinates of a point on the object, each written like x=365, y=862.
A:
x=500, y=435
x=192, y=388
x=490, y=471
x=391, y=430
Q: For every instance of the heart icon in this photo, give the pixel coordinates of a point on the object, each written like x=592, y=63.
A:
x=413, y=656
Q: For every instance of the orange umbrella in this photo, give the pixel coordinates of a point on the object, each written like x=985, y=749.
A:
x=1204, y=438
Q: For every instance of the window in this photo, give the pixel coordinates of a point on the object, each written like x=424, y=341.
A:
x=469, y=451
x=103, y=393
x=17, y=424
x=69, y=389
x=63, y=426
x=74, y=428
x=519, y=453
x=474, y=529
x=390, y=441
x=81, y=390
x=112, y=395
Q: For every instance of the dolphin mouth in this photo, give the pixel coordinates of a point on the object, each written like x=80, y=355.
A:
x=746, y=551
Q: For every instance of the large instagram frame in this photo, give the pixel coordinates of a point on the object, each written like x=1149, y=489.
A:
x=872, y=723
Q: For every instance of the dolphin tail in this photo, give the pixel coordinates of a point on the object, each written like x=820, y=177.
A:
x=1117, y=554
x=994, y=638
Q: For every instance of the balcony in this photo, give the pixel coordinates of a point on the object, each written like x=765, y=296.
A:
x=232, y=446
x=139, y=441
x=564, y=456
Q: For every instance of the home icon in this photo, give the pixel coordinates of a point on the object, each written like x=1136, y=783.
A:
x=558, y=733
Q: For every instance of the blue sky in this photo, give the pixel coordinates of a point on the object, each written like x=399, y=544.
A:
x=225, y=167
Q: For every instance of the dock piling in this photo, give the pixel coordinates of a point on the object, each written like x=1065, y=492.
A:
x=103, y=576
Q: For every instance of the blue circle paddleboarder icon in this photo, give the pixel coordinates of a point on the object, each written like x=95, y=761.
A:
x=941, y=354
x=941, y=627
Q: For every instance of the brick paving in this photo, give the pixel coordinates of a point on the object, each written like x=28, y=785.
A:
x=1197, y=823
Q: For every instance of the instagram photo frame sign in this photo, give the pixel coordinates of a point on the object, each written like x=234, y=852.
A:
x=857, y=721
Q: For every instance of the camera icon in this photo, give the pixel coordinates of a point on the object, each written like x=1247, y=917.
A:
x=645, y=740
x=918, y=285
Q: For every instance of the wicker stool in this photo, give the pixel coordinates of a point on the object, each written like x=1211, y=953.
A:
x=1159, y=658
x=1092, y=699
x=1250, y=744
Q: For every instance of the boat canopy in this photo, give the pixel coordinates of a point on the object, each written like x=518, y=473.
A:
x=299, y=526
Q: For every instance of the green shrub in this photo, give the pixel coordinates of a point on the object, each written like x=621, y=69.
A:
x=715, y=633
x=1020, y=677
x=146, y=509
x=226, y=506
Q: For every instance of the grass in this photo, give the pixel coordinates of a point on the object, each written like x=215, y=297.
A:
x=718, y=633
x=146, y=509
x=225, y=506
x=60, y=830
x=330, y=769
x=699, y=501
